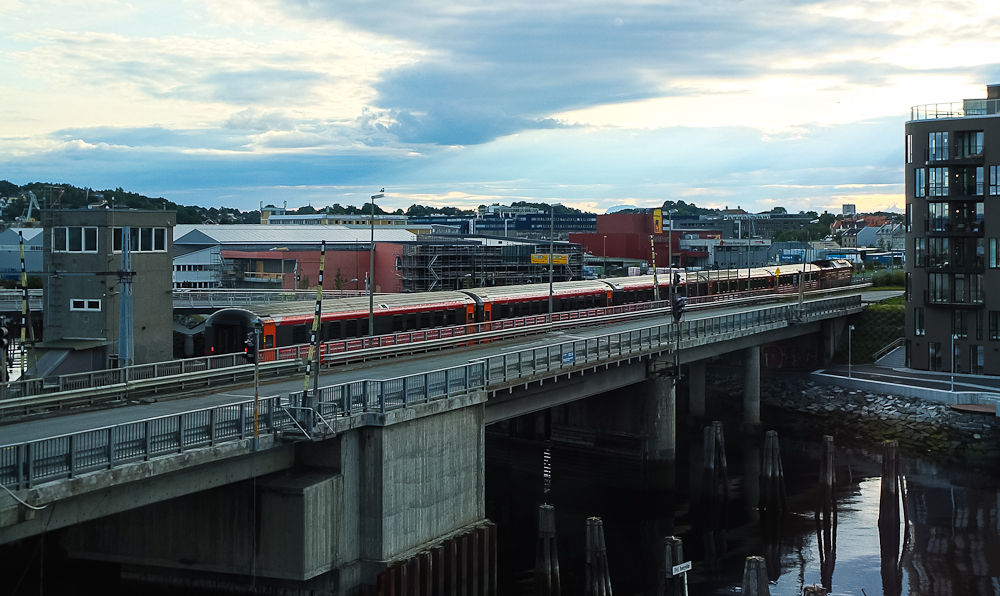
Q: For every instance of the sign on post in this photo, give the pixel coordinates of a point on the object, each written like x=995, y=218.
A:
x=543, y=259
x=568, y=357
x=683, y=567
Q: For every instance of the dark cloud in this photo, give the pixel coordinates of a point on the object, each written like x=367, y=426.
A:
x=152, y=136
x=461, y=124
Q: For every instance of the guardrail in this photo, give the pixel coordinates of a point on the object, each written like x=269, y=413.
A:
x=24, y=465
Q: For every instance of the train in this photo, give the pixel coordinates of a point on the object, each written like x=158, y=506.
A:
x=290, y=323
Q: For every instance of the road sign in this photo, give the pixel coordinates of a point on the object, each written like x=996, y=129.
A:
x=568, y=358
x=679, y=569
x=543, y=259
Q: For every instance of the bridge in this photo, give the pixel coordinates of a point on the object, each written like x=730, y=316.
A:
x=384, y=463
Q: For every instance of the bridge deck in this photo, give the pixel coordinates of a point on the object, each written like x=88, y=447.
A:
x=29, y=430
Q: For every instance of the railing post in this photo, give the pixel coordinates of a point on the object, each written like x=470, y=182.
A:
x=427, y=388
x=243, y=420
x=381, y=399
x=211, y=426
x=112, y=435
x=447, y=384
x=180, y=433
x=406, y=395
x=148, y=442
x=72, y=456
x=30, y=456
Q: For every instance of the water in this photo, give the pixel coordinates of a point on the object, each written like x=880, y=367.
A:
x=950, y=542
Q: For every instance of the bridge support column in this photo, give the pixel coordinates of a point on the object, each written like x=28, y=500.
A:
x=661, y=420
x=188, y=346
x=751, y=389
x=696, y=388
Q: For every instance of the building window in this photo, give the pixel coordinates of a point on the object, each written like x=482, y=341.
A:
x=909, y=287
x=937, y=146
x=976, y=290
x=994, y=325
x=918, y=321
x=959, y=326
x=937, y=217
x=994, y=253
x=979, y=325
x=909, y=217
x=994, y=180
x=976, y=360
x=919, y=183
x=143, y=239
x=937, y=252
x=934, y=355
x=84, y=304
x=939, y=287
x=968, y=144
x=74, y=239
x=908, y=351
x=937, y=182
x=909, y=148
x=920, y=252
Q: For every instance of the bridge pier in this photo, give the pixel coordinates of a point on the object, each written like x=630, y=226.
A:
x=349, y=507
x=751, y=390
x=660, y=426
x=696, y=389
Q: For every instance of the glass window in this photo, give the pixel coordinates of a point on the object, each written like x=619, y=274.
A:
x=84, y=304
x=918, y=321
x=937, y=217
x=937, y=182
x=934, y=355
x=994, y=253
x=959, y=327
x=909, y=217
x=159, y=239
x=909, y=287
x=969, y=144
x=937, y=146
x=994, y=325
x=74, y=239
x=979, y=324
x=979, y=180
x=994, y=180
x=920, y=252
x=939, y=287
x=976, y=290
x=909, y=148
x=143, y=239
x=937, y=252
x=976, y=360
x=919, y=182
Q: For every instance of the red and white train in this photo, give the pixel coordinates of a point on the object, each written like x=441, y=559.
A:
x=290, y=323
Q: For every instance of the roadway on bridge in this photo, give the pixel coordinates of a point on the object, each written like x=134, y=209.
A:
x=29, y=430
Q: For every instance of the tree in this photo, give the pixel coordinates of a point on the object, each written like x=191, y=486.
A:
x=339, y=281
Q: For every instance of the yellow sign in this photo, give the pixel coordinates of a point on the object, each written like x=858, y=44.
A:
x=657, y=221
x=541, y=259
x=777, y=272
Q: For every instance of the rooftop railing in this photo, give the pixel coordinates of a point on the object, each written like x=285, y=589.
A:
x=956, y=109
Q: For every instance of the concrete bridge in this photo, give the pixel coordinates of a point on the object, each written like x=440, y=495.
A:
x=384, y=464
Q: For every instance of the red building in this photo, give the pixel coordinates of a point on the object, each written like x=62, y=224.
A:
x=626, y=236
x=295, y=268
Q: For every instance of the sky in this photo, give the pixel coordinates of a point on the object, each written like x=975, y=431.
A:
x=589, y=103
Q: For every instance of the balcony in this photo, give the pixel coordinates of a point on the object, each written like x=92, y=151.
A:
x=963, y=109
x=952, y=157
x=945, y=299
x=938, y=227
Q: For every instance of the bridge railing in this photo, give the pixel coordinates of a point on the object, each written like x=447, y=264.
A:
x=26, y=464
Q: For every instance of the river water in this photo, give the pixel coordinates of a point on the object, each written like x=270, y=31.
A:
x=947, y=541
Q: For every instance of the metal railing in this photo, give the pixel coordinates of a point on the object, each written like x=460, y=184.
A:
x=24, y=465
x=223, y=298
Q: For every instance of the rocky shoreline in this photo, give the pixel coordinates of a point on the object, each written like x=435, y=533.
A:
x=921, y=427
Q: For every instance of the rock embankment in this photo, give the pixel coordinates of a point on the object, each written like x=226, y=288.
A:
x=920, y=426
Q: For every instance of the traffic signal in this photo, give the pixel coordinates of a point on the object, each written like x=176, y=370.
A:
x=250, y=348
x=677, y=279
x=4, y=338
x=677, y=304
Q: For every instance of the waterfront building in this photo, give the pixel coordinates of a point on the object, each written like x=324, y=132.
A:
x=952, y=169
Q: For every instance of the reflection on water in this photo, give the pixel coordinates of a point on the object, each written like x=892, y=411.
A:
x=940, y=540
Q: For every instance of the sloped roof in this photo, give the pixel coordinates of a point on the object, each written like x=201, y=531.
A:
x=290, y=234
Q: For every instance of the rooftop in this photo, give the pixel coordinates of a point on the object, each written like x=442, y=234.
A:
x=963, y=109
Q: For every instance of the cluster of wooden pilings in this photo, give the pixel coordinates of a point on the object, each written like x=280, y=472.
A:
x=462, y=565
x=891, y=502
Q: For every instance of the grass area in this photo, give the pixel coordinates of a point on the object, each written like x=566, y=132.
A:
x=875, y=327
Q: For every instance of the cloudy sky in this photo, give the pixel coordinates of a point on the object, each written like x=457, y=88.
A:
x=589, y=103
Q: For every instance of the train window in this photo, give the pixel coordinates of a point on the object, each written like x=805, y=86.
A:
x=351, y=328
x=268, y=341
x=425, y=320
x=438, y=319
x=300, y=334
x=397, y=323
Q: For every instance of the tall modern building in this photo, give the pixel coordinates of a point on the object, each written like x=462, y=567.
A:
x=952, y=154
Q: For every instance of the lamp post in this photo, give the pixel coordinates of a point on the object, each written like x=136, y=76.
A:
x=258, y=325
x=371, y=269
x=850, y=328
x=670, y=250
x=605, y=251
x=954, y=360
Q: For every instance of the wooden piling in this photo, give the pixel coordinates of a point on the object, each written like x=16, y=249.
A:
x=772, y=487
x=888, y=520
x=673, y=554
x=547, y=581
x=755, y=577
x=826, y=514
x=716, y=470
x=597, y=577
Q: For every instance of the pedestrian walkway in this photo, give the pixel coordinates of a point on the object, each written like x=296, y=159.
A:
x=937, y=386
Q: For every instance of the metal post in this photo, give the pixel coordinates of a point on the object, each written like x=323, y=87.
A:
x=256, y=387
x=552, y=227
x=652, y=256
x=953, y=360
x=850, y=328
x=371, y=270
x=605, y=251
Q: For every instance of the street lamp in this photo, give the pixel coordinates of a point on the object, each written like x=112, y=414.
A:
x=849, y=329
x=605, y=251
x=371, y=268
x=670, y=248
x=954, y=360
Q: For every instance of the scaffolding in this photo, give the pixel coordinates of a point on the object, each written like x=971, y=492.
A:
x=428, y=267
